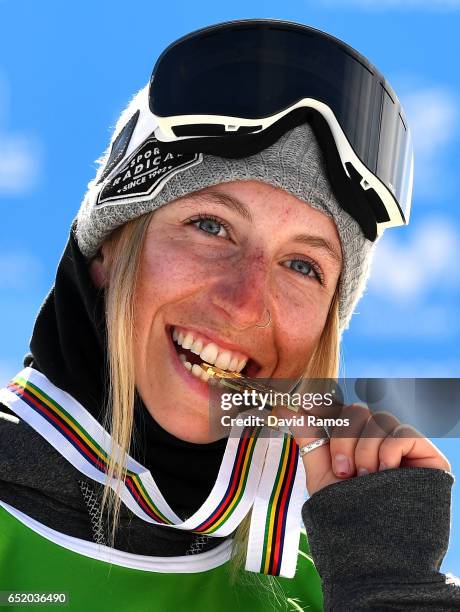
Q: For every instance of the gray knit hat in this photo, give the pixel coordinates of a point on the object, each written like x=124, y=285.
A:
x=294, y=163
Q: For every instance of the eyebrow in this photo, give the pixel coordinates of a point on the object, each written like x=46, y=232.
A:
x=320, y=243
x=235, y=205
x=215, y=197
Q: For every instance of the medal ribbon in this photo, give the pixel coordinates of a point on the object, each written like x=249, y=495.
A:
x=256, y=471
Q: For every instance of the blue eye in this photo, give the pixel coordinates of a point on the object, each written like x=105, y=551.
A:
x=306, y=268
x=209, y=224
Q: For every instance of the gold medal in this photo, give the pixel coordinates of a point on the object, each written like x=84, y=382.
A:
x=235, y=380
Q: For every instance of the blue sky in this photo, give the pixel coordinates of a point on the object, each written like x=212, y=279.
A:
x=68, y=69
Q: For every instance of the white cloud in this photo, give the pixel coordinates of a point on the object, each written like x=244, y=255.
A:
x=414, y=286
x=433, y=118
x=18, y=271
x=20, y=164
x=20, y=154
x=380, y=5
x=407, y=272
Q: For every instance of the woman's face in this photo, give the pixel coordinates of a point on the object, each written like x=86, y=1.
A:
x=212, y=264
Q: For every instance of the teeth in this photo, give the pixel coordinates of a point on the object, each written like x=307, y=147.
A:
x=204, y=375
x=241, y=365
x=210, y=353
x=223, y=360
x=188, y=341
x=200, y=373
x=233, y=364
x=196, y=370
x=197, y=347
x=182, y=357
x=188, y=365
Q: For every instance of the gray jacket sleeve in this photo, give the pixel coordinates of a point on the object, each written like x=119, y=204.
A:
x=378, y=541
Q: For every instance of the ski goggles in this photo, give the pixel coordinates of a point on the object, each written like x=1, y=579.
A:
x=234, y=88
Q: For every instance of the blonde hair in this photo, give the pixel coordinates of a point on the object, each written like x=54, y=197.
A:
x=124, y=255
x=124, y=252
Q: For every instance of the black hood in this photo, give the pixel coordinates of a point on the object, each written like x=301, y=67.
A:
x=68, y=341
x=69, y=346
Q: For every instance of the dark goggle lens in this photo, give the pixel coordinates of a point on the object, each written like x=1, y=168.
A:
x=255, y=70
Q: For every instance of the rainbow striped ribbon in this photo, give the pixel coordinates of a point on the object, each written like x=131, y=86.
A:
x=257, y=471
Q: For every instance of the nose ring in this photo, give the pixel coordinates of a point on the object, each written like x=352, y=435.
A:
x=269, y=320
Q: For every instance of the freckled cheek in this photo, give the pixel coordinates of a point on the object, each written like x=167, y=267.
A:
x=167, y=275
x=299, y=334
x=302, y=340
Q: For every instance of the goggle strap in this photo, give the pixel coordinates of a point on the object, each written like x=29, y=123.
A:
x=347, y=189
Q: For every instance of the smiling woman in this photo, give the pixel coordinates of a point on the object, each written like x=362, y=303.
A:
x=250, y=266
x=222, y=238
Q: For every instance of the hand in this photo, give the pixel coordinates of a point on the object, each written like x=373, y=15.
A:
x=374, y=442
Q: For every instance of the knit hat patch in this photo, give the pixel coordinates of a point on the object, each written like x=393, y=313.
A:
x=145, y=172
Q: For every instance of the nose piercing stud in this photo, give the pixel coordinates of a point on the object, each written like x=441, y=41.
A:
x=269, y=320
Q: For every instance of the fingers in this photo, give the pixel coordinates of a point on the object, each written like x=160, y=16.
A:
x=343, y=449
x=378, y=442
x=367, y=443
x=359, y=453
x=317, y=465
x=317, y=462
x=408, y=448
x=379, y=426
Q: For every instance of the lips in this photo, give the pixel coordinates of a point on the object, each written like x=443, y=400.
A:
x=196, y=384
x=196, y=347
